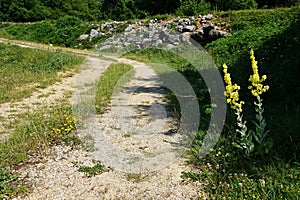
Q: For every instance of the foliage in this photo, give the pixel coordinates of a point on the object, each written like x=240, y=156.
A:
x=35, y=10
x=94, y=10
x=257, y=141
x=227, y=173
x=247, y=19
x=21, y=70
x=192, y=8
x=97, y=169
x=32, y=135
x=158, y=6
x=277, y=46
x=6, y=178
x=235, y=4
x=62, y=32
x=62, y=132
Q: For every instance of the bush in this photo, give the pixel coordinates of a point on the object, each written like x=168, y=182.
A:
x=192, y=8
x=235, y=4
x=242, y=20
x=62, y=32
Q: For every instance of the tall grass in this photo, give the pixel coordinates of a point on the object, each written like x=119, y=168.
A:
x=23, y=70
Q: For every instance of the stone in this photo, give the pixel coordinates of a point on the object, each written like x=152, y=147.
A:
x=209, y=17
x=83, y=37
x=169, y=46
x=179, y=28
x=130, y=28
x=192, y=18
x=188, y=28
x=93, y=33
x=158, y=43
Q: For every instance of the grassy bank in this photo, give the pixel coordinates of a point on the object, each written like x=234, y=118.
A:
x=227, y=172
x=63, y=32
x=24, y=70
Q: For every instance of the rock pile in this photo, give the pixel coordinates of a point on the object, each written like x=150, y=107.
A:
x=160, y=33
x=104, y=29
x=201, y=29
x=144, y=37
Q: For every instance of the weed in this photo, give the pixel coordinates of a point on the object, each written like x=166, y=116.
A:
x=135, y=177
x=126, y=135
x=97, y=169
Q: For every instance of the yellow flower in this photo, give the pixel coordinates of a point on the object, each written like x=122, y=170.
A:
x=232, y=91
x=257, y=88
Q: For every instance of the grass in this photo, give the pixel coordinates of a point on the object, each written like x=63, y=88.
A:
x=24, y=70
x=116, y=75
x=32, y=135
x=158, y=59
x=276, y=45
x=227, y=173
x=63, y=32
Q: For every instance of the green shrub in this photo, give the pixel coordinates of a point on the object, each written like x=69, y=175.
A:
x=245, y=19
x=192, y=8
x=236, y=4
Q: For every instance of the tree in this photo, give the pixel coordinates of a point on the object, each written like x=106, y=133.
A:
x=158, y=6
x=235, y=4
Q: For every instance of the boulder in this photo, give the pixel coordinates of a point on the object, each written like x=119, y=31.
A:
x=189, y=28
x=93, y=33
x=83, y=37
x=179, y=28
x=209, y=17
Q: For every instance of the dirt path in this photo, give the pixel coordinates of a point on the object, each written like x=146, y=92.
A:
x=47, y=96
x=138, y=147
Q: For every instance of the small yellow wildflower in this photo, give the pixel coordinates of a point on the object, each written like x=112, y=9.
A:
x=257, y=88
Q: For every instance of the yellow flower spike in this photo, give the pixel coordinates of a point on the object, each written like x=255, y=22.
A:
x=257, y=88
x=231, y=92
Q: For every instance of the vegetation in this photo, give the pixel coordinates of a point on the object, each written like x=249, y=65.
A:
x=116, y=74
x=96, y=169
x=33, y=134
x=277, y=49
x=93, y=10
x=64, y=32
x=227, y=172
x=21, y=70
